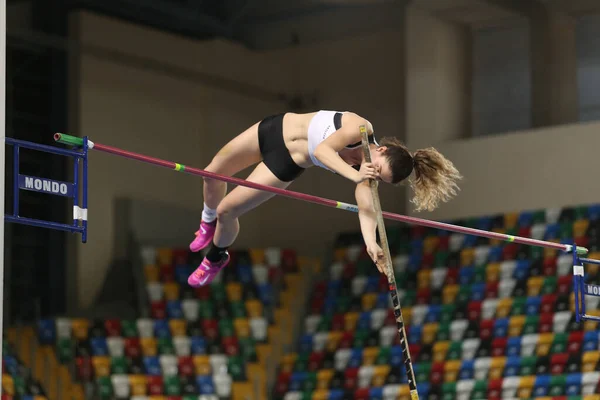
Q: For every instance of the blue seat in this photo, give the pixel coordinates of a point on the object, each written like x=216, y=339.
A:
x=495, y=254
x=484, y=223
x=174, y=310
x=423, y=389
x=594, y=212
x=552, y=231
x=465, y=275
x=356, y=358
x=364, y=320
x=265, y=293
x=161, y=328
x=417, y=245
x=205, y=384
x=11, y=363
x=336, y=394
x=306, y=343
x=396, y=357
x=433, y=315
x=383, y=301
x=376, y=393
x=296, y=381
x=198, y=345
x=470, y=241
x=372, y=285
x=573, y=384
x=47, y=331
x=512, y=366
x=590, y=341
x=478, y=291
x=525, y=219
x=99, y=346
x=415, y=333
x=244, y=273
x=467, y=370
x=152, y=366
x=513, y=346
x=532, y=305
x=521, y=269
x=501, y=327
x=333, y=287
x=414, y=261
x=541, y=385
x=182, y=272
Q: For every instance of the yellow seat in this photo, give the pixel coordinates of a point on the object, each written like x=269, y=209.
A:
x=551, y=253
x=76, y=393
x=496, y=242
x=178, y=327
x=449, y=293
x=406, y=315
x=101, y=365
x=544, y=344
x=439, y=350
x=588, y=325
x=339, y=254
x=496, y=367
x=254, y=308
x=510, y=220
x=451, y=370
x=137, y=384
x=380, y=373
x=320, y=394
x=368, y=301
x=423, y=279
x=164, y=256
x=534, y=285
x=429, y=332
x=590, y=360
x=257, y=256
x=467, y=256
x=157, y=397
x=503, y=307
x=171, y=290
x=242, y=327
x=350, y=320
x=430, y=244
x=151, y=272
x=515, y=325
x=324, y=376
x=333, y=339
x=80, y=328
x=202, y=365
x=370, y=355
x=8, y=385
x=525, y=387
x=591, y=397
x=234, y=291
x=403, y=392
x=492, y=272
x=580, y=227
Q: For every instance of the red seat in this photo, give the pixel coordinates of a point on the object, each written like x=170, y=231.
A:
x=346, y=341
x=486, y=329
x=316, y=304
x=350, y=378
x=494, y=390
x=158, y=309
x=548, y=303
x=180, y=256
x=417, y=231
x=582, y=241
x=361, y=394
x=423, y=296
x=84, y=370
x=499, y=346
x=474, y=310
x=275, y=275
x=390, y=320
x=549, y=268
x=451, y=276
x=575, y=340
x=132, y=347
x=6, y=396
x=427, y=261
x=210, y=328
x=289, y=260
x=436, y=376
x=565, y=284
x=203, y=292
x=349, y=271
x=383, y=284
x=415, y=350
x=185, y=365
x=491, y=290
x=509, y=251
x=283, y=382
x=546, y=323
x=167, y=273
x=558, y=362
x=231, y=346
x=320, y=288
x=525, y=231
x=444, y=242
x=315, y=360
x=155, y=385
x=112, y=327
x=173, y=398
x=337, y=322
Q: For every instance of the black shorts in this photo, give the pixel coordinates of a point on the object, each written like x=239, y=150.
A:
x=275, y=154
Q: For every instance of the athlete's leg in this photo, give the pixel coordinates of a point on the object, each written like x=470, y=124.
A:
x=239, y=201
x=238, y=154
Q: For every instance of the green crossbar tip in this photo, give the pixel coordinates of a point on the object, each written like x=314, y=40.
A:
x=581, y=250
x=68, y=139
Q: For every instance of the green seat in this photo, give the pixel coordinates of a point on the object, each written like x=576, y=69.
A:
x=301, y=364
x=324, y=324
x=236, y=369
x=118, y=366
x=19, y=385
x=531, y=324
x=342, y=304
x=172, y=386
x=539, y=217
x=441, y=258
x=518, y=306
x=536, y=253
x=364, y=266
x=558, y=383
x=565, y=230
x=514, y=231
x=479, y=275
x=455, y=351
x=206, y=309
x=105, y=389
x=129, y=329
x=575, y=398
x=409, y=299
x=447, y=314
x=360, y=338
x=464, y=294
x=549, y=286
x=443, y=332
x=218, y=292
x=383, y=358
x=559, y=344
x=65, y=350
x=307, y=395
x=165, y=346
x=422, y=371
x=310, y=383
x=248, y=349
x=471, y=222
x=226, y=328
x=580, y=213
x=479, y=391
x=449, y=391
x=528, y=365
x=190, y=397
x=403, y=247
x=238, y=310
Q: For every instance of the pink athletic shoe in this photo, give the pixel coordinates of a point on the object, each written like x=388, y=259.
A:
x=207, y=271
x=204, y=235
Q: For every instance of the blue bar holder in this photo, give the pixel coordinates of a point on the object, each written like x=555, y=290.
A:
x=581, y=289
x=49, y=186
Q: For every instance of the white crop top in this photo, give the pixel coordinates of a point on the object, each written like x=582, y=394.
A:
x=322, y=125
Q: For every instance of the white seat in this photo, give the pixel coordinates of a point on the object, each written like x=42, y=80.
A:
x=218, y=363
x=365, y=375
x=353, y=252
x=293, y=396
x=552, y=214
x=155, y=291
x=528, y=344
x=438, y=276
x=378, y=317
x=168, y=364
x=358, y=285
x=183, y=345
x=591, y=302
x=564, y=264
x=145, y=327
x=488, y=308
x=341, y=358
x=273, y=256
x=506, y=287
x=260, y=273
x=223, y=384
x=148, y=254
x=560, y=321
x=589, y=381
x=140, y=398
x=311, y=323
x=538, y=230
x=191, y=309
x=320, y=341
x=387, y=334
x=465, y=387
x=456, y=241
x=116, y=346
x=208, y=397
x=400, y=262
x=469, y=348
x=481, y=254
x=120, y=384
x=482, y=366
x=507, y=269
x=390, y=392
x=510, y=385
x=63, y=328
x=457, y=329
x=419, y=312
x=335, y=270
x=258, y=327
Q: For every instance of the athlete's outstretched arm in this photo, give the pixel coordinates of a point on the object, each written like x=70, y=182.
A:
x=327, y=151
x=368, y=223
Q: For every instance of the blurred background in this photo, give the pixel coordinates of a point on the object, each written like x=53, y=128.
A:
x=509, y=90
